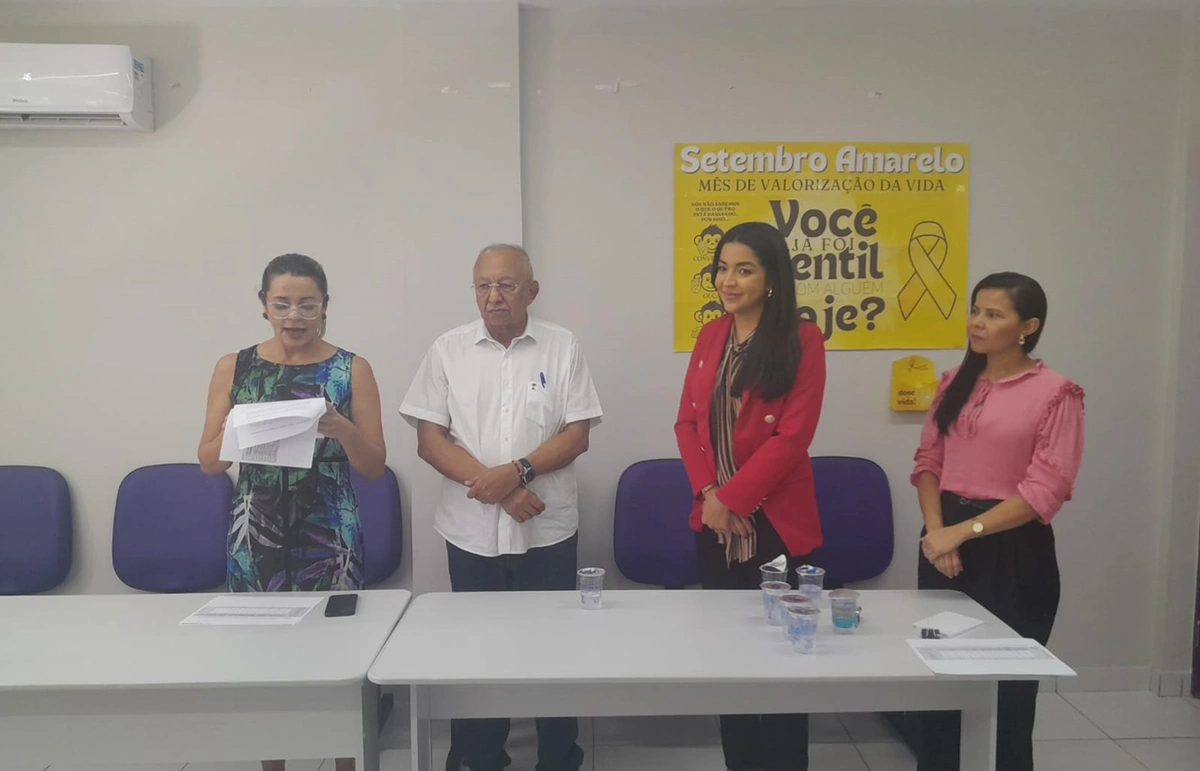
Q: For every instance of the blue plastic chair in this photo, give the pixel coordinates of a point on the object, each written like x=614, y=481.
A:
x=379, y=509
x=170, y=527
x=652, y=541
x=855, y=506
x=36, y=538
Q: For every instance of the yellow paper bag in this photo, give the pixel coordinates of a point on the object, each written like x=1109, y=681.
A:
x=914, y=383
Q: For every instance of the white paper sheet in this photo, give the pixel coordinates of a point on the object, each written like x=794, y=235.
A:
x=949, y=623
x=260, y=412
x=271, y=421
x=293, y=452
x=779, y=562
x=253, y=610
x=1012, y=656
x=270, y=431
x=273, y=433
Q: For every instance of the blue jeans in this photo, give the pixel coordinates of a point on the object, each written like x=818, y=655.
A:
x=479, y=744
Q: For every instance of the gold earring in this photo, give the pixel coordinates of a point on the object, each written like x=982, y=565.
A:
x=1022, y=341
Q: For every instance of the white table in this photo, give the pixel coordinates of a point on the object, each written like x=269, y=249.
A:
x=671, y=653
x=116, y=679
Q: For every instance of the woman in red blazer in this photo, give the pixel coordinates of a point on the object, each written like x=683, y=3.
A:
x=750, y=405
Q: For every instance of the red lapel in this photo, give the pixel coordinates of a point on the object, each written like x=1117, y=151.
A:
x=710, y=359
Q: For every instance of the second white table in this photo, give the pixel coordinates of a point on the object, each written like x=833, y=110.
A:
x=671, y=653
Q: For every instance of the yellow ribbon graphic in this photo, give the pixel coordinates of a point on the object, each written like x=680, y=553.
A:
x=927, y=250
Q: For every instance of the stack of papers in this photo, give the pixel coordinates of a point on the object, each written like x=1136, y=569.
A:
x=273, y=433
x=949, y=623
x=1014, y=656
x=243, y=610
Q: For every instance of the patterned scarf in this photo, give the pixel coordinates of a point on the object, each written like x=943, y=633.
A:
x=723, y=418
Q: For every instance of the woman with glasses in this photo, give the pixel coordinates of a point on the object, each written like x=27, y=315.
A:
x=297, y=529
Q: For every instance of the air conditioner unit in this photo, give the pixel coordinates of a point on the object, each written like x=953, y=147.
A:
x=74, y=86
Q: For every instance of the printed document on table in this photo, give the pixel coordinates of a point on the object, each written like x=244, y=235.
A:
x=1015, y=656
x=259, y=610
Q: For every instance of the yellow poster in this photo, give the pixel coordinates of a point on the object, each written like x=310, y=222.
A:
x=877, y=234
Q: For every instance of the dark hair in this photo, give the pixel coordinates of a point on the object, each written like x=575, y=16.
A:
x=1030, y=302
x=294, y=265
x=773, y=354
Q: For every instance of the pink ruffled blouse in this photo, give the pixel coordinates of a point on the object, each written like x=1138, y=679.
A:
x=1021, y=436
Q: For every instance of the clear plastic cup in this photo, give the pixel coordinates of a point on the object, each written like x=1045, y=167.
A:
x=591, y=587
x=771, y=592
x=811, y=581
x=772, y=573
x=802, y=622
x=789, y=600
x=843, y=608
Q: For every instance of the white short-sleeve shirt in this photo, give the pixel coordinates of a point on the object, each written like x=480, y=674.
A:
x=500, y=405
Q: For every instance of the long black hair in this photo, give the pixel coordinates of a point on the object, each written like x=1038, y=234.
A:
x=773, y=353
x=1030, y=302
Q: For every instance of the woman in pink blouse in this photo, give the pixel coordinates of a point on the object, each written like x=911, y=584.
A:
x=998, y=458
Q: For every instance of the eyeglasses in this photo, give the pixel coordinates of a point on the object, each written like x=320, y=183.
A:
x=281, y=310
x=505, y=287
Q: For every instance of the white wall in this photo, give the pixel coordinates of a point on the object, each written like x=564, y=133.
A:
x=131, y=263
x=1180, y=521
x=462, y=146
x=142, y=270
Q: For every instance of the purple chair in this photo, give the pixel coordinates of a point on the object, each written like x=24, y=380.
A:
x=652, y=542
x=382, y=524
x=855, y=505
x=35, y=529
x=169, y=528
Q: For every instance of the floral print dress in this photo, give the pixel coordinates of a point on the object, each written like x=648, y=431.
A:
x=295, y=529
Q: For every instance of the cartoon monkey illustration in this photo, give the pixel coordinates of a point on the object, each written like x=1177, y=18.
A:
x=709, y=311
x=703, y=282
x=706, y=242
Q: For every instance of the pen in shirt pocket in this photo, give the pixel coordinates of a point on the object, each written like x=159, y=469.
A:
x=542, y=375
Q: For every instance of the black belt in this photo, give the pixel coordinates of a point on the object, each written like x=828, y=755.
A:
x=975, y=504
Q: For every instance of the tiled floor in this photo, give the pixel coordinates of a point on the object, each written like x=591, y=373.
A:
x=1075, y=732
x=1138, y=715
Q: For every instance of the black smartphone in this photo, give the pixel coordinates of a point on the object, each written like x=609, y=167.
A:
x=341, y=605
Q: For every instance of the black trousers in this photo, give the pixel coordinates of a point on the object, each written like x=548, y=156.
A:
x=479, y=744
x=1014, y=575
x=768, y=742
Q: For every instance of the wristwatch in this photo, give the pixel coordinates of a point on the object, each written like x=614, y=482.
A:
x=977, y=527
x=525, y=469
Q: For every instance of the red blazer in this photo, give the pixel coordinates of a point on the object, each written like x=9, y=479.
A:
x=770, y=440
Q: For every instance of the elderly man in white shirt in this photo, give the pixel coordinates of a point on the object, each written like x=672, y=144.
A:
x=503, y=406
